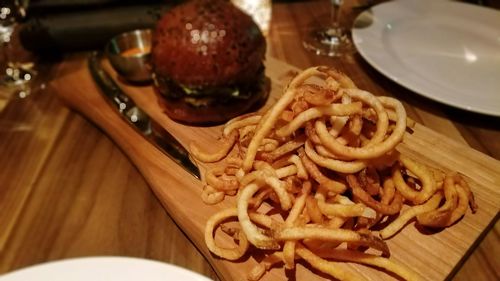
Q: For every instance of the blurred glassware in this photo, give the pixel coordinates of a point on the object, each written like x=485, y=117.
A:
x=259, y=10
x=15, y=76
x=330, y=38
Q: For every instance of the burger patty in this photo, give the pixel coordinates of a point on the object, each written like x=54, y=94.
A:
x=208, y=109
x=204, y=96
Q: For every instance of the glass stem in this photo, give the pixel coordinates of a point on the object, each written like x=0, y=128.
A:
x=7, y=50
x=335, y=13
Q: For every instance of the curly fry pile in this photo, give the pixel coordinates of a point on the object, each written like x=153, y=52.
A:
x=317, y=173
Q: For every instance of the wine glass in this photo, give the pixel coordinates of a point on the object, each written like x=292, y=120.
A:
x=15, y=77
x=331, y=39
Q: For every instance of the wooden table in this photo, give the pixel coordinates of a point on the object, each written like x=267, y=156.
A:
x=67, y=191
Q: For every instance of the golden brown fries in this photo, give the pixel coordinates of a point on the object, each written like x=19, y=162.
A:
x=214, y=157
x=315, y=173
x=230, y=254
x=423, y=174
x=455, y=206
x=368, y=200
x=409, y=214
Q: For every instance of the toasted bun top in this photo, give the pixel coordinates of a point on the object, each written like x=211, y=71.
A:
x=207, y=43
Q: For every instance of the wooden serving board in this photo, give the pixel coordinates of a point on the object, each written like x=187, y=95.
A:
x=433, y=256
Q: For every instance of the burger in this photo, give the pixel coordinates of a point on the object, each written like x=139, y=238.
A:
x=207, y=61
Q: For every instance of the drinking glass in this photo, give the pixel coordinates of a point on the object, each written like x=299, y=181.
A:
x=330, y=39
x=15, y=77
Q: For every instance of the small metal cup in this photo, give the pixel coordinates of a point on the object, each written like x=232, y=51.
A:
x=130, y=53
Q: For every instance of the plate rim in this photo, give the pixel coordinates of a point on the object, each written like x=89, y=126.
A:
x=389, y=73
x=91, y=261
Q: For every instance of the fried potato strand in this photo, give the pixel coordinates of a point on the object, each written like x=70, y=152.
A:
x=366, y=198
x=328, y=267
x=211, y=196
x=316, y=174
x=316, y=112
x=235, y=124
x=368, y=259
x=440, y=216
x=254, y=235
x=333, y=164
x=269, y=261
x=230, y=254
x=410, y=213
x=269, y=119
x=228, y=143
x=298, y=207
x=423, y=174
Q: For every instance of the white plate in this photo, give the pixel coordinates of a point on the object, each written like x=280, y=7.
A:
x=444, y=50
x=103, y=269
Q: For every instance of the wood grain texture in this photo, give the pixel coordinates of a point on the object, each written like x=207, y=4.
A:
x=91, y=214
x=433, y=256
x=49, y=154
x=66, y=190
x=28, y=131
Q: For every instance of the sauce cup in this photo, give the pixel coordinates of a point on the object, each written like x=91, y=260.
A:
x=129, y=53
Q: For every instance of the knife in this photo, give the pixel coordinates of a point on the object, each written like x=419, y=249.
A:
x=138, y=118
